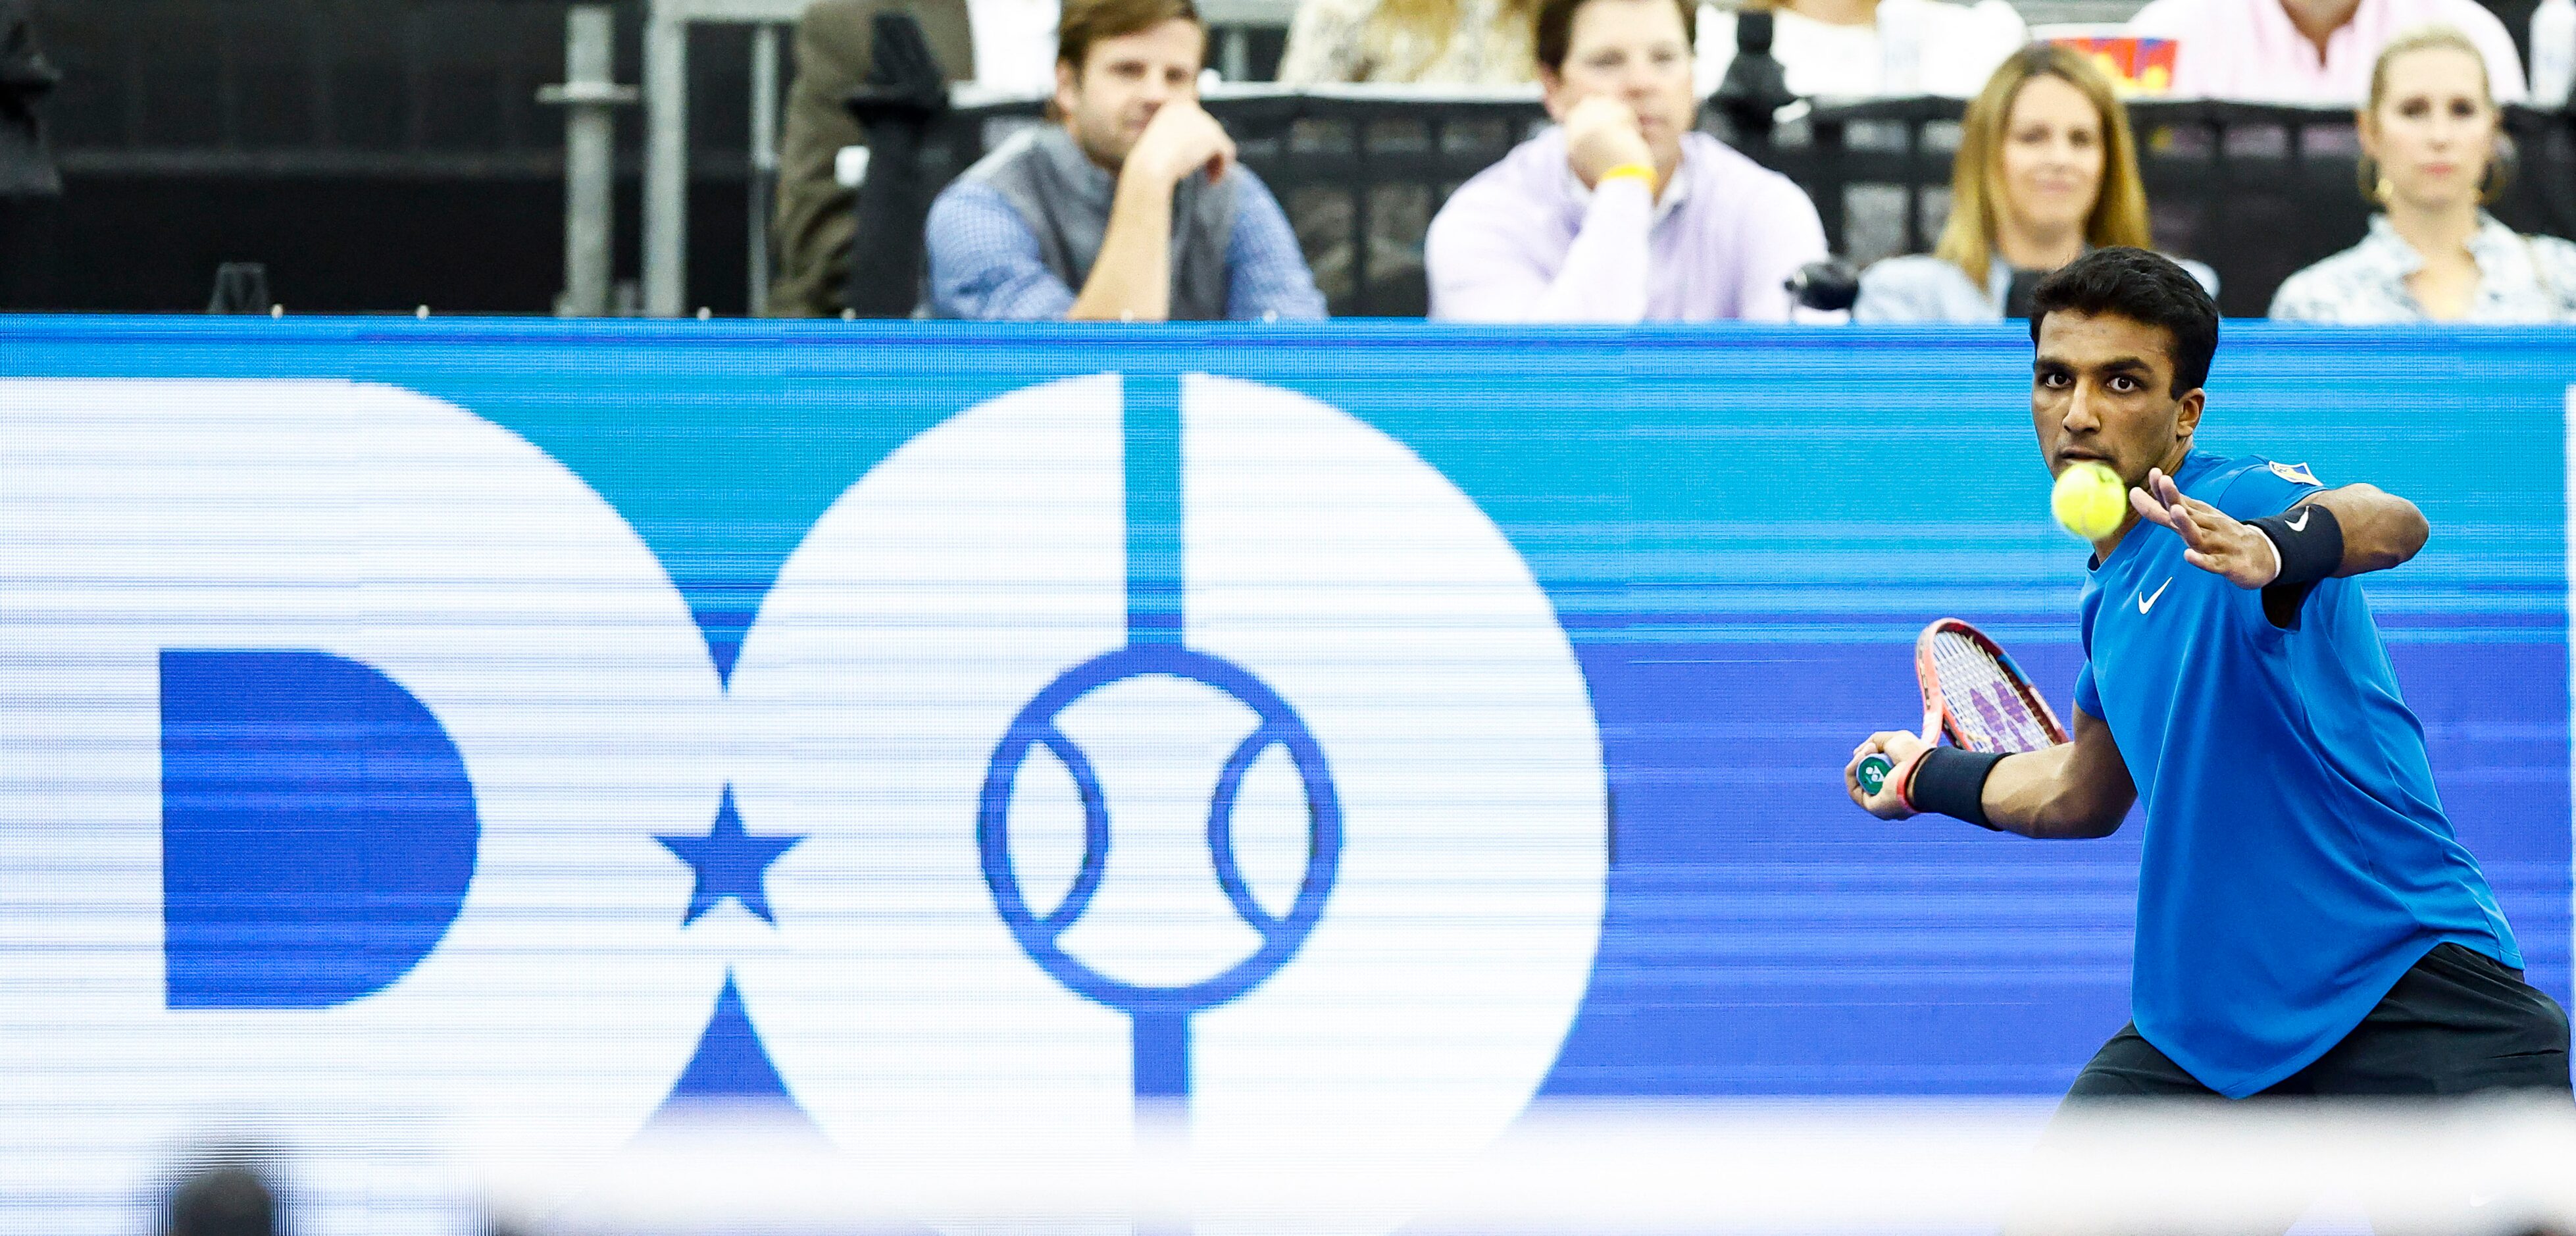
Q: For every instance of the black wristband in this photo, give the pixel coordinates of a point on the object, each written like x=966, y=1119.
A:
x=1953, y=782
x=2311, y=544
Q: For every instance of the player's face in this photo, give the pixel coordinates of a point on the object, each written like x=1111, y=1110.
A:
x=2052, y=155
x=1635, y=51
x=1122, y=82
x=2102, y=389
x=2434, y=130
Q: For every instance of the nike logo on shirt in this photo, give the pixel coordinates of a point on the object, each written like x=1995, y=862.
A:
x=2146, y=603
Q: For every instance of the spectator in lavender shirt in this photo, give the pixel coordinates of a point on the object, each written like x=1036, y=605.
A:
x=1621, y=212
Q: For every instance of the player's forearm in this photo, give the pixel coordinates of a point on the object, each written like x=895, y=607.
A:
x=2380, y=529
x=2041, y=794
x=1131, y=280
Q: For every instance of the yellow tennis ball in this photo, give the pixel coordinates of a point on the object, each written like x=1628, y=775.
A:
x=2090, y=500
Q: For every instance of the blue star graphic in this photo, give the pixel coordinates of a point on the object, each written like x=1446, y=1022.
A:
x=729, y=863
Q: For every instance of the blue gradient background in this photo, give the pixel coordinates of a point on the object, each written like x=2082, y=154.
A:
x=1741, y=529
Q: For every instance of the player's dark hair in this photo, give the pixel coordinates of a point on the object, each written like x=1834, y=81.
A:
x=2146, y=288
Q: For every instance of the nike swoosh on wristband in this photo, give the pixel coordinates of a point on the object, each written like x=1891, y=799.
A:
x=2149, y=602
x=2301, y=523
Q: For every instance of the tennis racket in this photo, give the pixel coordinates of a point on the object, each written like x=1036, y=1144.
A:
x=1974, y=693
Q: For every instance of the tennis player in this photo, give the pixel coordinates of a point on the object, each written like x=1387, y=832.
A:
x=2307, y=923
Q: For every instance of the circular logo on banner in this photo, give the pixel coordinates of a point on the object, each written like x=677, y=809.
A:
x=1039, y=726
x=1156, y=741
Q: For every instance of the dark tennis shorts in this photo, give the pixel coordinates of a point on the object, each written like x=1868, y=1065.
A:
x=2459, y=1022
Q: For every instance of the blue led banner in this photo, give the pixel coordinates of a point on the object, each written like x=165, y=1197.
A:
x=1345, y=734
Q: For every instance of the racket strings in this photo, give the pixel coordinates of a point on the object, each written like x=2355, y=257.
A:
x=1984, y=698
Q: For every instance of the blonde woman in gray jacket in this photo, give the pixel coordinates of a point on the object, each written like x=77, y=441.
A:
x=2046, y=172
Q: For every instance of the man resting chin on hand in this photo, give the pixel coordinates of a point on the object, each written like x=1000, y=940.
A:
x=1135, y=199
x=1622, y=212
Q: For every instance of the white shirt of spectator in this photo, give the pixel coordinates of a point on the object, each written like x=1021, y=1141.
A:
x=1914, y=47
x=1014, y=45
x=2250, y=50
x=2520, y=279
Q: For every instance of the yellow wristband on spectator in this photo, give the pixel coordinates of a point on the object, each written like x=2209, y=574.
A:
x=1642, y=173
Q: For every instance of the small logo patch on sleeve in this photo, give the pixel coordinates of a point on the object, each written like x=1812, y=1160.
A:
x=2296, y=474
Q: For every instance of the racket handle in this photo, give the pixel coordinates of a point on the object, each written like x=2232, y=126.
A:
x=1873, y=772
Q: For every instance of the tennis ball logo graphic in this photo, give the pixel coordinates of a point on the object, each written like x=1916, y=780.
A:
x=1315, y=840
x=1169, y=765
x=2089, y=500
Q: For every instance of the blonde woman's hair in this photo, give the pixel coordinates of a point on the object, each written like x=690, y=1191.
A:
x=2428, y=38
x=1977, y=176
x=2424, y=38
x=1432, y=24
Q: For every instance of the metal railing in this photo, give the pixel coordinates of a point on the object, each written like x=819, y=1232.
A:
x=666, y=139
x=590, y=95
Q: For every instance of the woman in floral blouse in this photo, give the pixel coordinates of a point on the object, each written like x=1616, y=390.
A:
x=1411, y=42
x=2430, y=161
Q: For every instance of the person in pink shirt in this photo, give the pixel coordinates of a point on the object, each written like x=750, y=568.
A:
x=1621, y=212
x=2310, y=51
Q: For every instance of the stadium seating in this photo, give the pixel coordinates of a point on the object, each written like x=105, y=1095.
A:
x=306, y=134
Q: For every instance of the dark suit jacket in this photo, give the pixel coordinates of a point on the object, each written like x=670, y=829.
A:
x=812, y=231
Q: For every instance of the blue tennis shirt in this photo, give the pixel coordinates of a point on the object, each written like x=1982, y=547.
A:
x=2297, y=858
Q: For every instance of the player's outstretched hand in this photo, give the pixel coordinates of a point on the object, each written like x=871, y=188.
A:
x=1903, y=749
x=2213, y=541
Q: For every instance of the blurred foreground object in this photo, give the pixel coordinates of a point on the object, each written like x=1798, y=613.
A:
x=1826, y=286
x=2488, y=1167
x=225, y=1197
